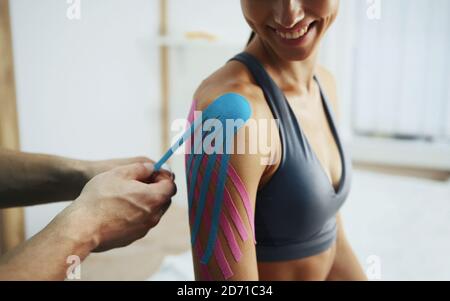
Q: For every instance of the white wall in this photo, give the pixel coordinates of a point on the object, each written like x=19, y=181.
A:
x=86, y=88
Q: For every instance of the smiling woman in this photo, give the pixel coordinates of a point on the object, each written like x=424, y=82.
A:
x=296, y=35
x=296, y=201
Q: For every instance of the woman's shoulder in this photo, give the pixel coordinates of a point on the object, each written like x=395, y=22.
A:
x=231, y=78
x=235, y=78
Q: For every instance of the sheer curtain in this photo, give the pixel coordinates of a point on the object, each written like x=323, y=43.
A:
x=393, y=72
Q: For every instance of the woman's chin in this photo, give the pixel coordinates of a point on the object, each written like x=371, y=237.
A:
x=297, y=54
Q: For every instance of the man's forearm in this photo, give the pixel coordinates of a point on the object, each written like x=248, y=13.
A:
x=30, y=179
x=45, y=256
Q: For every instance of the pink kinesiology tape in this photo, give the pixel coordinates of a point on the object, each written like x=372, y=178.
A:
x=228, y=204
x=227, y=231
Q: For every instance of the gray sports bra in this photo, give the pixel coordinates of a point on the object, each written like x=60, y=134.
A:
x=296, y=210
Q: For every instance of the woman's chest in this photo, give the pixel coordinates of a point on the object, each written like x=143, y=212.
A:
x=316, y=131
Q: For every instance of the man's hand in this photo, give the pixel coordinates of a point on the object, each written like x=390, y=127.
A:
x=118, y=207
x=32, y=179
x=114, y=209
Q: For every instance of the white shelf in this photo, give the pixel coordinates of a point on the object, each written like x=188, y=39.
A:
x=401, y=153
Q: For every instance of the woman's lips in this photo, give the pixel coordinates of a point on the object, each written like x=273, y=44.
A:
x=295, y=36
x=292, y=34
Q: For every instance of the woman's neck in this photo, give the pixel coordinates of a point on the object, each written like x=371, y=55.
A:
x=298, y=74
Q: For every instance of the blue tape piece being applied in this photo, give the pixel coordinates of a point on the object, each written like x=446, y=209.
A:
x=187, y=134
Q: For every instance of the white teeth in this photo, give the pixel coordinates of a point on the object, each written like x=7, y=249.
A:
x=293, y=35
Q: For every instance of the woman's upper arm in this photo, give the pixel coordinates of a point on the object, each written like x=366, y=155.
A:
x=221, y=196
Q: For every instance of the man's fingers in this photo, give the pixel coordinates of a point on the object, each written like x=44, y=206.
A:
x=162, y=175
x=164, y=186
x=136, y=171
x=157, y=194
